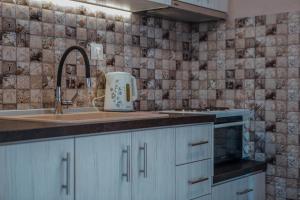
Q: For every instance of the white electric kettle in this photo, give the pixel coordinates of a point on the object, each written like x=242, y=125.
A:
x=120, y=91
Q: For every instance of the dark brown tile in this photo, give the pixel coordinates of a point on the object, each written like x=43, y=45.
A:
x=8, y=24
x=135, y=40
x=110, y=26
x=271, y=63
x=36, y=55
x=35, y=14
x=203, y=37
x=230, y=74
x=271, y=29
x=230, y=44
x=9, y=68
x=71, y=32
x=260, y=20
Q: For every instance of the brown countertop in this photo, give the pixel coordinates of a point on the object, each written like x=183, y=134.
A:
x=16, y=131
x=225, y=172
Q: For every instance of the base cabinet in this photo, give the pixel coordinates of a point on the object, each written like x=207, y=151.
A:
x=153, y=165
x=173, y=163
x=247, y=188
x=41, y=170
x=113, y=166
x=103, y=167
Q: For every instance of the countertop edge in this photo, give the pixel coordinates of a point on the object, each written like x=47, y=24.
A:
x=43, y=132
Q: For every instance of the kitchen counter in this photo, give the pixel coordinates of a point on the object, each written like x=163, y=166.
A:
x=224, y=172
x=17, y=131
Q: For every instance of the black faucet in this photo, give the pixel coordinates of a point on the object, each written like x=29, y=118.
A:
x=58, y=98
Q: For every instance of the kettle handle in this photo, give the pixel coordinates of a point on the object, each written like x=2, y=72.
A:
x=134, y=88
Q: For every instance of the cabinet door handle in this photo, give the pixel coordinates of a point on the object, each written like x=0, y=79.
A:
x=145, y=169
x=198, y=143
x=245, y=192
x=127, y=174
x=199, y=180
x=67, y=160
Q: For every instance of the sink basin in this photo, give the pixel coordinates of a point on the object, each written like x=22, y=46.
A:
x=85, y=117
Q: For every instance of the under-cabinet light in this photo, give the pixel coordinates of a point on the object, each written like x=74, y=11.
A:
x=89, y=6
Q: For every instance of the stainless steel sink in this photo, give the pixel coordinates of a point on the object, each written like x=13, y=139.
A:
x=82, y=117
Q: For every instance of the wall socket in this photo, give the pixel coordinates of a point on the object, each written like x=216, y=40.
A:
x=96, y=51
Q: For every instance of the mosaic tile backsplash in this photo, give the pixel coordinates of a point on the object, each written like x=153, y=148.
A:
x=34, y=35
x=255, y=64
x=251, y=64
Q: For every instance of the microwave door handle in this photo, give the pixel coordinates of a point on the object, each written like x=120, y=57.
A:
x=229, y=124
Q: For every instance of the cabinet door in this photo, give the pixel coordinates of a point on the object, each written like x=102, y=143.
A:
x=220, y=5
x=165, y=2
x=195, y=2
x=41, y=170
x=103, y=167
x=153, y=165
x=258, y=184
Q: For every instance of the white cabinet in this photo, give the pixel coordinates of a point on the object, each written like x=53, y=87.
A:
x=258, y=183
x=194, y=162
x=103, y=167
x=153, y=165
x=195, y=2
x=41, y=170
x=193, y=180
x=207, y=197
x=220, y=5
x=166, y=2
x=111, y=166
x=247, y=188
x=193, y=143
x=130, y=5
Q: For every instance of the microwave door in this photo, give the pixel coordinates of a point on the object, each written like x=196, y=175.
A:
x=228, y=142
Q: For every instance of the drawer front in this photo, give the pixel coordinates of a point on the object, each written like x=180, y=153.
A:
x=193, y=180
x=247, y=188
x=230, y=190
x=207, y=197
x=193, y=143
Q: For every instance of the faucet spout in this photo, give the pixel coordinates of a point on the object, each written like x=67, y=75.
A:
x=58, y=96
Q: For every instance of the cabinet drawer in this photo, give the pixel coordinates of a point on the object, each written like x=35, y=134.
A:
x=193, y=143
x=193, y=180
x=207, y=197
x=251, y=187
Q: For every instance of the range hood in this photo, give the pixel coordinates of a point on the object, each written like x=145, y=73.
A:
x=172, y=9
x=182, y=11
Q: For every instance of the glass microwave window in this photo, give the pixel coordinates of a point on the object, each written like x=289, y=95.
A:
x=228, y=144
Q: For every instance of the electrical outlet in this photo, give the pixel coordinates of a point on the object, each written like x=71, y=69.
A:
x=96, y=51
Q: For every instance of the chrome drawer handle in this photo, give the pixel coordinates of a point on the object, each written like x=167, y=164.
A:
x=198, y=143
x=192, y=182
x=145, y=150
x=67, y=160
x=245, y=192
x=127, y=174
